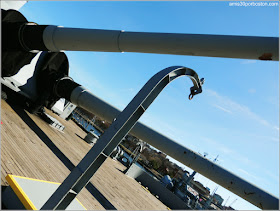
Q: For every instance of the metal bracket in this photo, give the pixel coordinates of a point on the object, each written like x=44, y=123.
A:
x=82, y=173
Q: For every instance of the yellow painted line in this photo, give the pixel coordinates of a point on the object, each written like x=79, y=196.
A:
x=20, y=193
x=37, y=180
x=81, y=204
x=11, y=178
x=145, y=189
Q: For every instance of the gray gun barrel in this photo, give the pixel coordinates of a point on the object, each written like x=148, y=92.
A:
x=57, y=38
x=253, y=194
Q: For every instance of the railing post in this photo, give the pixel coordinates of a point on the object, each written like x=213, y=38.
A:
x=80, y=175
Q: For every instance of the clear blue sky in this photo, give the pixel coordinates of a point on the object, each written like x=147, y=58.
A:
x=236, y=116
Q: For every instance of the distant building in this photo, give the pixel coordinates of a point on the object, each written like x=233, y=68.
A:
x=218, y=199
x=200, y=188
x=161, y=154
x=192, y=191
x=67, y=110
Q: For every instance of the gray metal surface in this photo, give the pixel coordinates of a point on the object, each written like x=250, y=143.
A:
x=39, y=191
x=76, y=39
x=91, y=137
x=216, y=173
x=155, y=187
x=123, y=123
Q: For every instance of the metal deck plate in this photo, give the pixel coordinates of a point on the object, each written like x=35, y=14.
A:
x=34, y=193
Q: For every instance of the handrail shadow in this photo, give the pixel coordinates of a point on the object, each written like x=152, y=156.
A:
x=59, y=154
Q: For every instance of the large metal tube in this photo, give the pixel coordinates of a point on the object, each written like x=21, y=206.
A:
x=76, y=39
x=246, y=47
x=260, y=198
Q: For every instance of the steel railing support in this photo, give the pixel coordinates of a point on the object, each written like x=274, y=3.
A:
x=82, y=173
x=230, y=181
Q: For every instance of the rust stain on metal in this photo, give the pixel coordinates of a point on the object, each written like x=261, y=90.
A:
x=261, y=206
x=266, y=56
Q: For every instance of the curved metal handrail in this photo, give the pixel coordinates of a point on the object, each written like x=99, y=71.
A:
x=81, y=174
